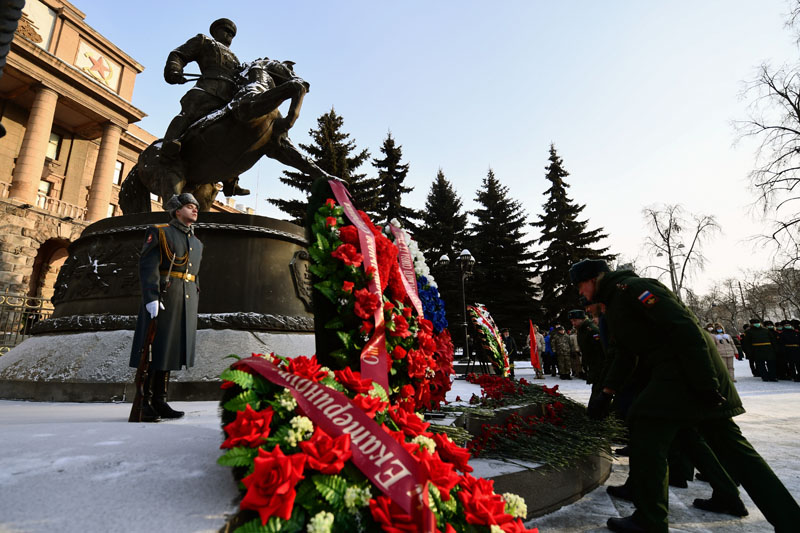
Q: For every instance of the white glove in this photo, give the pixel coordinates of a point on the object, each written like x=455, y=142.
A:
x=152, y=308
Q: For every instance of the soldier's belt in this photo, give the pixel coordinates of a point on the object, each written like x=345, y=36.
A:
x=180, y=275
x=761, y=343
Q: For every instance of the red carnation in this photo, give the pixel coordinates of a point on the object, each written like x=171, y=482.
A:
x=306, y=367
x=366, y=327
x=349, y=235
x=441, y=474
x=400, y=327
x=347, y=254
x=352, y=380
x=271, y=486
x=387, y=258
x=369, y=404
x=330, y=221
x=331, y=203
x=366, y=303
x=396, y=286
x=391, y=517
x=418, y=363
x=249, y=429
x=451, y=452
x=347, y=286
x=407, y=312
x=399, y=352
x=326, y=454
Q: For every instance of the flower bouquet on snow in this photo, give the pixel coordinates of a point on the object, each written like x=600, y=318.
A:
x=490, y=339
x=335, y=442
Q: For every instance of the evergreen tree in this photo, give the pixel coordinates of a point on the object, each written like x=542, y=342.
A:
x=391, y=174
x=443, y=232
x=564, y=240
x=334, y=152
x=502, y=274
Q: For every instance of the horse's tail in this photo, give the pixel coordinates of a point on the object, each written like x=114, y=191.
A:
x=134, y=197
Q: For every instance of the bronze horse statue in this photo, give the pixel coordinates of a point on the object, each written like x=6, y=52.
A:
x=225, y=143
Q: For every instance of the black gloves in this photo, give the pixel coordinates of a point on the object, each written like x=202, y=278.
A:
x=710, y=398
x=599, y=406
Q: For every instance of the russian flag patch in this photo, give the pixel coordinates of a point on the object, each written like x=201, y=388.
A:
x=648, y=299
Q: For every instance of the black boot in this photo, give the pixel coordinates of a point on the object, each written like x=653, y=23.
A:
x=149, y=413
x=733, y=507
x=622, y=492
x=625, y=525
x=160, y=396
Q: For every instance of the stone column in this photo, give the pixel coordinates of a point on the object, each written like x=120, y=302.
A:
x=30, y=161
x=102, y=180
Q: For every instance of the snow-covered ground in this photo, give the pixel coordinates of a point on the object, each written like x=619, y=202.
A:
x=84, y=468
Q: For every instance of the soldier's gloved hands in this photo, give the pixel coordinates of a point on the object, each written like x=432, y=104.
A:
x=599, y=406
x=711, y=398
x=174, y=77
x=152, y=308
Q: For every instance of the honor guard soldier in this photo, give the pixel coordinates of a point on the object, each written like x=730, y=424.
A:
x=688, y=387
x=790, y=342
x=758, y=345
x=168, y=267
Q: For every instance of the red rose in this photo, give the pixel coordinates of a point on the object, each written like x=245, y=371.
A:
x=347, y=286
x=409, y=423
x=330, y=221
x=366, y=303
x=441, y=474
x=481, y=504
x=391, y=517
x=516, y=526
x=347, y=254
x=249, y=429
x=407, y=312
x=326, y=454
x=349, y=235
x=366, y=327
x=352, y=380
x=418, y=363
x=388, y=306
x=271, y=486
x=426, y=326
x=451, y=452
x=331, y=203
x=369, y=404
x=399, y=352
x=400, y=327
x=407, y=391
x=306, y=367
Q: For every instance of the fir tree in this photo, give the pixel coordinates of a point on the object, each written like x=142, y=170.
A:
x=334, y=152
x=443, y=232
x=391, y=174
x=502, y=274
x=564, y=241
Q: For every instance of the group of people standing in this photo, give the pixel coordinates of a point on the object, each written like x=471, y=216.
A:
x=773, y=351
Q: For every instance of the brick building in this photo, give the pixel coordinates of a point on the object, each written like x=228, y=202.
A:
x=65, y=100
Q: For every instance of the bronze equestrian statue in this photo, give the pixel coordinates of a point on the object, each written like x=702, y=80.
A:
x=219, y=146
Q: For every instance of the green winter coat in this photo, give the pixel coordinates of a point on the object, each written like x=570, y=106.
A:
x=174, y=343
x=591, y=349
x=652, y=331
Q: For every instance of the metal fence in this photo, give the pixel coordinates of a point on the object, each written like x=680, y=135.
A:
x=18, y=314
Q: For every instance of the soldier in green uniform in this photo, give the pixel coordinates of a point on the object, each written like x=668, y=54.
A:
x=688, y=387
x=758, y=345
x=589, y=343
x=168, y=267
x=559, y=340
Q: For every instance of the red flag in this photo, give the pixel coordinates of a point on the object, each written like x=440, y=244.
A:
x=534, y=351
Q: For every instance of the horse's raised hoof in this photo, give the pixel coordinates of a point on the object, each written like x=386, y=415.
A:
x=238, y=191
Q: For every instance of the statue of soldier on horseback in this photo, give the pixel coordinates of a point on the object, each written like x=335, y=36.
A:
x=228, y=121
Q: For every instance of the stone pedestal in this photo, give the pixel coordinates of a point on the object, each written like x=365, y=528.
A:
x=255, y=297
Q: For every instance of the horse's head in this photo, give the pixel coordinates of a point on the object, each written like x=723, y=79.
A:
x=279, y=71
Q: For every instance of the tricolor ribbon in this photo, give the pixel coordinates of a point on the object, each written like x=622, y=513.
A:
x=374, y=359
x=376, y=454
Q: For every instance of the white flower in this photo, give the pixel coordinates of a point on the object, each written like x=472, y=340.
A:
x=320, y=522
x=496, y=529
x=515, y=505
x=287, y=401
x=329, y=371
x=357, y=497
x=425, y=442
x=302, y=429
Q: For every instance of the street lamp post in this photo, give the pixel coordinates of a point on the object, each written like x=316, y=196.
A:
x=465, y=263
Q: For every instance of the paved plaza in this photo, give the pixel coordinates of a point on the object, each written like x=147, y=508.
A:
x=84, y=468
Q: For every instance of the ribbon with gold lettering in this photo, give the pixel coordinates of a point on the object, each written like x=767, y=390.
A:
x=406, y=263
x=374, y=359
x=375, y=453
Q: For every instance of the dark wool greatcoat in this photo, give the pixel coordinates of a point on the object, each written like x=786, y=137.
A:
x=652, y=329
x=594, y=357
x=174, y=343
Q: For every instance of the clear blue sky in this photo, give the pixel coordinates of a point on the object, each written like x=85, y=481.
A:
x=638, y=97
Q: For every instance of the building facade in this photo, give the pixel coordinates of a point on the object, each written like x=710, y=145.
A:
x=65, y=101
